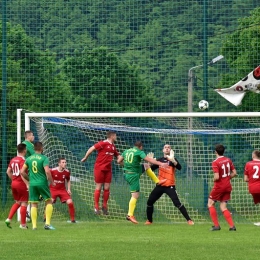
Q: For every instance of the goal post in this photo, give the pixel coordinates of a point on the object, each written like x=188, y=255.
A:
x=71, y=134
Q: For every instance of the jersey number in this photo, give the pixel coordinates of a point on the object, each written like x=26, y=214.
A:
x=255, y=175
x=34, y=167
x=15, y=169
x=129, y=157
x=226, y=170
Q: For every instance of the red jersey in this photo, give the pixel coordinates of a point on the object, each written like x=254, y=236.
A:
x=252, y=170
x=223, y=166
x=16, y=165
x=106, y=152
x=59, y=178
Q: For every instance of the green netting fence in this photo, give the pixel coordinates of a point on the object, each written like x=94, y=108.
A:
x=121, y=56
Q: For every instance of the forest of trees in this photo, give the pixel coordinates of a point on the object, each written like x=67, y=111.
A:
x=123, y=55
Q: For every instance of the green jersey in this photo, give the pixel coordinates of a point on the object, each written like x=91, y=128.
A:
x=132, y=160
x=35, y=164
x=29, y=147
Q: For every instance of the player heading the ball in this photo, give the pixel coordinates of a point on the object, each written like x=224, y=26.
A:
x=131, y=160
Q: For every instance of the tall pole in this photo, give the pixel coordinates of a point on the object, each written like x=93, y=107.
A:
x=205, y=86
x=205, y=50
x=4, y=111
x=190, y=124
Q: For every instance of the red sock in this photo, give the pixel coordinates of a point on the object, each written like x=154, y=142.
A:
x=71, y=211
x=214, y=215
x=13, y=210
x=105, y=198
x=23, y=210
x=228, y=217
x=96, y=198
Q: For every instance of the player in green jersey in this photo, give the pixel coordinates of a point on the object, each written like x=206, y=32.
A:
x=28, y=141
x=29, y=138
x=133, y=169
x=39, y=178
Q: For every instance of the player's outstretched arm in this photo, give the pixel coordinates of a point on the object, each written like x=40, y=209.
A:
x=90, y=151
x=153, y=161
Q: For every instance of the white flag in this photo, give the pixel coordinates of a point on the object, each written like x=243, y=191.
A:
x=236, y=93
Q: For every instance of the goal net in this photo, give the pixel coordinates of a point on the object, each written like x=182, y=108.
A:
x=192, y=136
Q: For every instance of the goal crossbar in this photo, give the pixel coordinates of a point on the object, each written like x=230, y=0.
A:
x=133, y=115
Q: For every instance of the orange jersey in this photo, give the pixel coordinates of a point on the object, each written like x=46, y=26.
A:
x=167, y=173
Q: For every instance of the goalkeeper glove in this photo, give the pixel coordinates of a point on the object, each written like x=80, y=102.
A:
x=150, y=155
x=171, y=156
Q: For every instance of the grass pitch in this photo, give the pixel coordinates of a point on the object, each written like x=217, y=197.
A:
x=124, y=240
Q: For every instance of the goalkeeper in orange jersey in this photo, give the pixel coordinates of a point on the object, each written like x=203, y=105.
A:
x=132, y=172
x=168, y=187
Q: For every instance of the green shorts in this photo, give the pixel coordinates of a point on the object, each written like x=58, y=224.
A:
x=40, y=190
x=133, y=179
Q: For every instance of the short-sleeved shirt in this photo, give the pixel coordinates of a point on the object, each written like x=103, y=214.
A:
x=35, y=164
x=252, y=170
x=16, y=165
x=59, y=178
x=223, y=166
x=106, y=153
x=29, y=148
x=132, y=160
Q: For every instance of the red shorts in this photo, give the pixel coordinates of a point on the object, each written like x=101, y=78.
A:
x=102, y=176
x=20, y=192
x=219, y=196
x=62, y=194
x=256, y=197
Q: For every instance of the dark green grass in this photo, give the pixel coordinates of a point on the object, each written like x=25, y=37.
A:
x=124, y=240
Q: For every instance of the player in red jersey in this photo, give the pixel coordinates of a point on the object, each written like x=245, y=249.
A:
x=19, y=187
x=61, y=176
x=103, y=169
x=224, y=171
x=252, y=176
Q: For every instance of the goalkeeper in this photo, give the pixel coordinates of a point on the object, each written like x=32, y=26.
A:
x=167, y=187
x=133, y=170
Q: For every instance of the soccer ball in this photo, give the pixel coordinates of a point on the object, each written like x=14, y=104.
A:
x=203, y=104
